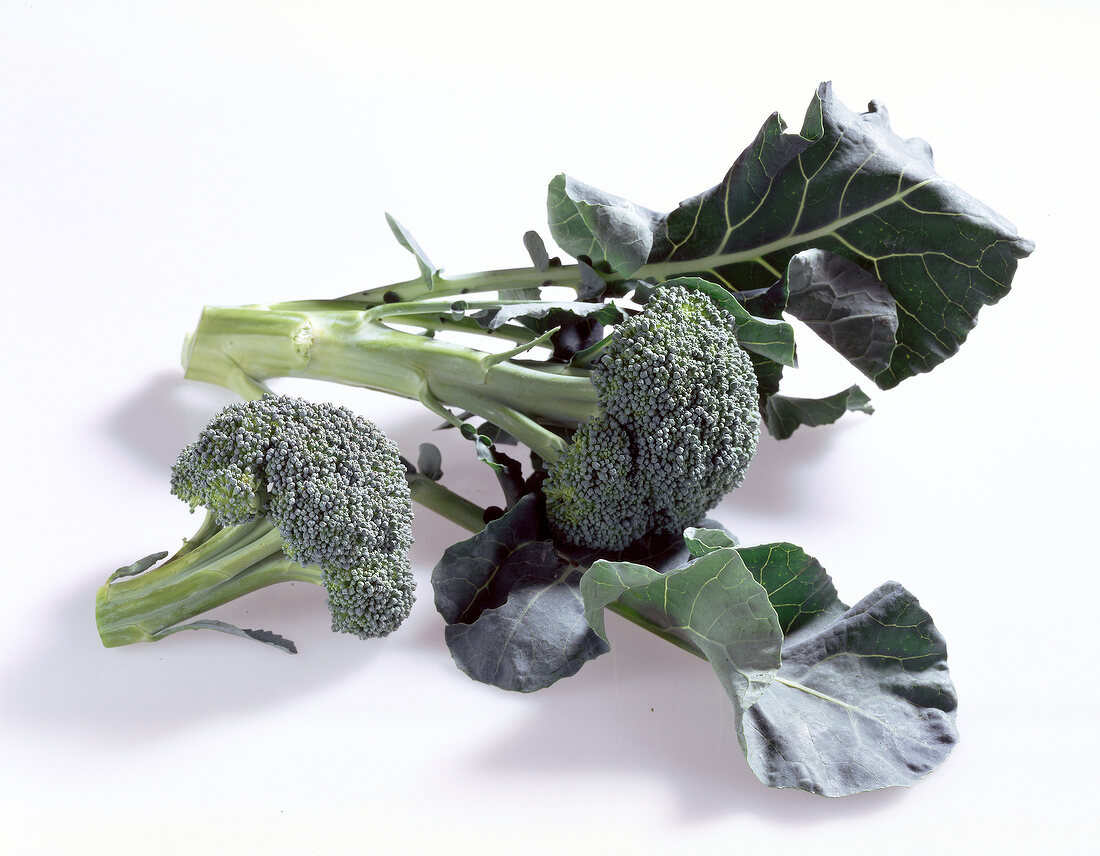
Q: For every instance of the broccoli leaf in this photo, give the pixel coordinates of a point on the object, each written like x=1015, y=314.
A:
x=428, y=271
x=784, y=414
x=138, y=567
x=765, y=302
x=764, y=336
x=537, y=636
x=713, y=606
x=603, y=228
x=429, y=463
x=573, y=327
x=845, y=184
x=861, y=698
x=592, y=285
x=660, y=552
x=511, y=599
x=768, y=375
x=801, y=592
x=536, y=249
x=860, y=703
x=267, y=637
x=700, y=541
x=512, y=606
x=483, y=446
x=534, y=315
x=846, y=306
x=576, y=338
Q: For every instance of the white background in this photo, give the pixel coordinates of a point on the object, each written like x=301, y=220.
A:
x=155, y=157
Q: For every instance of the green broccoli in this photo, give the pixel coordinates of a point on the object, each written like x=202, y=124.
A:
x=644, y=438
x=293, y=491
x=678, y=427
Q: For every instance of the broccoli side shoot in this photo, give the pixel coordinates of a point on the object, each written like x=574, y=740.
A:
x=293, y=491
x=678, y=427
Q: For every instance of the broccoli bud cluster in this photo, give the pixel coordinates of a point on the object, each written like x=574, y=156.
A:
x=678, y=426
x=332, y=484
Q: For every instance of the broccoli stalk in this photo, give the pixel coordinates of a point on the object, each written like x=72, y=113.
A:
x=481, y=282
x=218, y=565
x=240, y=347
x=645, y=439
x=442, y=284
x=445, y=502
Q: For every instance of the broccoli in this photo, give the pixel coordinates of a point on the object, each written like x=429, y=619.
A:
x=641, y=433
x=293, y=491
x=678, y=427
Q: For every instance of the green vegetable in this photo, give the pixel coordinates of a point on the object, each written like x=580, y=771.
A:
x=655, y=433
x=639, y=401
x=676, y=431
x=293, y=491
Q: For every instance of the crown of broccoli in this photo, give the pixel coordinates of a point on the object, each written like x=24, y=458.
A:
x=678, y=427
x=293, y=490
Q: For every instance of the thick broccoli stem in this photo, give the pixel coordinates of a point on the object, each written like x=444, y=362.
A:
x=240, y=347
x=206, y=531
x=232, y=562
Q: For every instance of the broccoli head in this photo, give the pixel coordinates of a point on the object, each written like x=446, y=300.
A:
x=293, y=491
x=678, y=426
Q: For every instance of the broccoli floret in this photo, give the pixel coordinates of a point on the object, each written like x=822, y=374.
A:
x=293, y=491
x=643, y=439
x=678, y=429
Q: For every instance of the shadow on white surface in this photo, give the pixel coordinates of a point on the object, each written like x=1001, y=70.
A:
x=73, y=685
x=163, y=415
x=776, y=482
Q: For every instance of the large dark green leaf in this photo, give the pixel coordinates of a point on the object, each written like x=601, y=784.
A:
x=845, y=184
x=465, y=580
x=511, y=600
x=863, y=702
x=537, y=636
x=512, y=606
